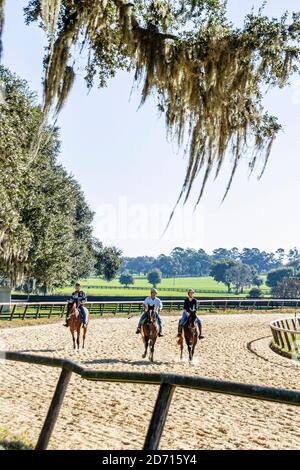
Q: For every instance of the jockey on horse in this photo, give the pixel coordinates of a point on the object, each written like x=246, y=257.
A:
x=190, y=306
x=79, y=297
x=152, y=302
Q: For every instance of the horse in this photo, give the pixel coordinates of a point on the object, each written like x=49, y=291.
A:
x=190, y=332
x=75, y=323
x=150, y=332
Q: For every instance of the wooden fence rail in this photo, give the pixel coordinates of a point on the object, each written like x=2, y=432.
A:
x=167, y=383
x=23, y=310
x=286, y=336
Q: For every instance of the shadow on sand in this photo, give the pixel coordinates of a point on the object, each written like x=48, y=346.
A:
x=124, y=361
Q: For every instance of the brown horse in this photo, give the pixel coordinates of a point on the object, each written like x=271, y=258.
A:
x=75, y=323
x=150, y=332
x=190, y=332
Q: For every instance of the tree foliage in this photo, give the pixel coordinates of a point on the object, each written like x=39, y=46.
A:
x=196, y=262
x=154, y=277
x=276, y=276
x=287, y=288
x=108, y=260
x=209, y=77
x=219, y=269
x=126, y=279
x=46, y=232
x=255, y=293
x=240, y=275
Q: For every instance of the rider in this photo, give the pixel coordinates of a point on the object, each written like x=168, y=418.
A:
x=79, y=297
x=190, y=306
x=154, y=302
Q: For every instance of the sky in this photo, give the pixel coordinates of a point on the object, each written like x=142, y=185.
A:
x=131, y=175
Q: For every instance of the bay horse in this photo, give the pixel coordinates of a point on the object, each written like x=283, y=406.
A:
x=190, y=333
x=150, y=332
x=75, y=322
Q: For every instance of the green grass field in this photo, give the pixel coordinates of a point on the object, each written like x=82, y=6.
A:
x=203, y=286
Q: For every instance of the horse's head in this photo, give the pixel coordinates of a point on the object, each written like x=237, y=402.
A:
x=151, y=317
x=71, y=308
x=192, y=319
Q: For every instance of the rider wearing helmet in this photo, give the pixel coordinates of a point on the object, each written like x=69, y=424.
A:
x=152, y=302
x=190, y=306
x=79, y=297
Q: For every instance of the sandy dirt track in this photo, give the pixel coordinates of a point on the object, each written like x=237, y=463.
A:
x=116, y=416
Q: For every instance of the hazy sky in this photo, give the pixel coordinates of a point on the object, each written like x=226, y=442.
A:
x=131, y=175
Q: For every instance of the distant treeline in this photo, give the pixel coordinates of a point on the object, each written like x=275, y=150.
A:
x=192, y=262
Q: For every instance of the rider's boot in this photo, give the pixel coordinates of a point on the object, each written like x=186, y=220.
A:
x=160, y=334
x=200, y=336
x=179, y=330
x=66, y=322
x=138, y=330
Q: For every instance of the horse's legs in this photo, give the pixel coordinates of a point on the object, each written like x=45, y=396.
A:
x=194, y=345
x=84, y=335
x=151, y=350
x=78, y=338
x=146, y=346
x=73, y=338
x=190, y=353
x=189, y=348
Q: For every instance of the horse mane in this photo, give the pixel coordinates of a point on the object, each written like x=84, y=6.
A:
x=71, y=307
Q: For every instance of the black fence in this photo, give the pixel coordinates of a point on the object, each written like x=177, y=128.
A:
x=23, y=310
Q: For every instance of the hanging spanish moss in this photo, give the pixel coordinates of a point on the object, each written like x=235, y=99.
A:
x=208, y=76
x=1, y=23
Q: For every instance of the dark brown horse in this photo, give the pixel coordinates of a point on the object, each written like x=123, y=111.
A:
x=190, y=332
x=150, y=332
x=75, y=323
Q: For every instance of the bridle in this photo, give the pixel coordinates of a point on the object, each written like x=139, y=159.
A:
x=151, y=317
x=192, y=320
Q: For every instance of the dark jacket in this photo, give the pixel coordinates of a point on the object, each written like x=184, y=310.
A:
x=78, y=297
x=190, y=306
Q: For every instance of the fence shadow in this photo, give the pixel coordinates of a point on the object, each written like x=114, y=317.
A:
x=143, y=362
x=39, y=350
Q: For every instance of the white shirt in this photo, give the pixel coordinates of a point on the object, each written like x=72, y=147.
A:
x=156, y=302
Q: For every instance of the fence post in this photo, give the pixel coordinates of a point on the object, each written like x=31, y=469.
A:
x=159, y=416
x=286, y=336
x=12, y=312
x=24, y=312
x=63, y=310
x=37, y=311
x=54, y=410
x=50, y=311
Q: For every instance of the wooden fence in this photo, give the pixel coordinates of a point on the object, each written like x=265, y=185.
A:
x=23, y=310
x=286, y=336
x=167, y=385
